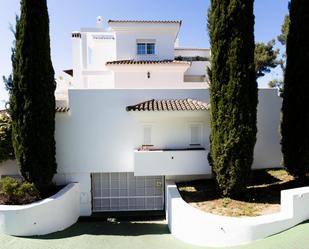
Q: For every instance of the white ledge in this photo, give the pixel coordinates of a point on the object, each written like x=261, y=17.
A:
x=205, y=229
x=42, y=217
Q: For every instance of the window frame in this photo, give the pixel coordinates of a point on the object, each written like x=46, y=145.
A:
x=144, y=142
x=200, y=126
x=149, y=47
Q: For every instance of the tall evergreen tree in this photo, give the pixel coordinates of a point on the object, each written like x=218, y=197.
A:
x=32, y=100
x=233, y=93
x=295, y=106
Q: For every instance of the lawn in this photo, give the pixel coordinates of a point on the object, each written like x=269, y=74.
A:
x=262, y=195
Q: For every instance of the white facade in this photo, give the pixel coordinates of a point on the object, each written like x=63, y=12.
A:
x=92, y=48
x=98, y=138
x=98, y=135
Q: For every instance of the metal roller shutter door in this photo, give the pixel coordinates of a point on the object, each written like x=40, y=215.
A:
x=126, y=192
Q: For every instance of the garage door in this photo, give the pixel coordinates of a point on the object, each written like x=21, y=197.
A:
x=126, y=192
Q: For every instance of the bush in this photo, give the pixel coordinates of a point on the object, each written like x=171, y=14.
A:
x=6, y=147
x=16, y=192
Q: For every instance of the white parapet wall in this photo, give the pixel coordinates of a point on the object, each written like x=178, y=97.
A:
x=200, y=228
x=171, y=162
x=50, y=215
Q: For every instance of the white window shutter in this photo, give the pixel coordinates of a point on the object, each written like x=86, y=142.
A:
x=147, y=135
x=195, y=134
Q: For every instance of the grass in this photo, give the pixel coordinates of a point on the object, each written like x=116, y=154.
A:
x=261, y=197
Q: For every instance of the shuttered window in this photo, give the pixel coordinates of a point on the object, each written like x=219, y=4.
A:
x=147, y=135
x=195, y=135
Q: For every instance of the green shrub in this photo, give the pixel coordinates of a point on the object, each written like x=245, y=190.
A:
x=16, y=192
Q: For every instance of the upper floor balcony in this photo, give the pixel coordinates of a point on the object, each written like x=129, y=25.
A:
x=187, y=161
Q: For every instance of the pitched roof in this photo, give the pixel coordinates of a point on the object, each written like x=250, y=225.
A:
x=146, y=62
x=170, y=105
x=62, y=109
x=145, y=21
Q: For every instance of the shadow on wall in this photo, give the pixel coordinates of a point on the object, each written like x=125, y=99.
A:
x=123, y=228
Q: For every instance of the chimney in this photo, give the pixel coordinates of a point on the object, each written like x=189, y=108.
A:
x=99, y=22
x=77, y=58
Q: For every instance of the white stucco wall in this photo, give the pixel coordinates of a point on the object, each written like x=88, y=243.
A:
x=164, y=43
x=47, y=216
x=98, y=79
x=200, y=228
x=191, y=52
x=99, y=135
x=100, y=50
x=173, y=162
x=198, y=68
x=139, y=79
x=267, y=151
x=84, y=195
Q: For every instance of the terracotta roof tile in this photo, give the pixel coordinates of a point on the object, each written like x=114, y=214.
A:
x=62, y=109
x=145, y=62
x=170, y=105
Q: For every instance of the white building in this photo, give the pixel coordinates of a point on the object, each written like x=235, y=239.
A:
x=133, y=112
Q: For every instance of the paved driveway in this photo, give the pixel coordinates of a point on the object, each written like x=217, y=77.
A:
x=141, y=235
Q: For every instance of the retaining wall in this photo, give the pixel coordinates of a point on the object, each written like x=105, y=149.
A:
x=46, y=216
x=200, y=228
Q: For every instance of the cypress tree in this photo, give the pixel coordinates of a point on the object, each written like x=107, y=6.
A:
x=295, y=112
x=32, y=100
x=233, y=93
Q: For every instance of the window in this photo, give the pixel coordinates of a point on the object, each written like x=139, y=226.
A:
x=145, y=47
x=195, y=134
x=147, y=135
x=141, y=48
x=89, y=56
x=150, y=48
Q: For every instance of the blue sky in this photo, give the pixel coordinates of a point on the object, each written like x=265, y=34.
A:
x=70, y=15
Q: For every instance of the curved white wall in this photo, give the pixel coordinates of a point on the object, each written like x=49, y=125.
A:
x=47, y=216
x=200, y=228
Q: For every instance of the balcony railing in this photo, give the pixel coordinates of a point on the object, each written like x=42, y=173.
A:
x=194, y=78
